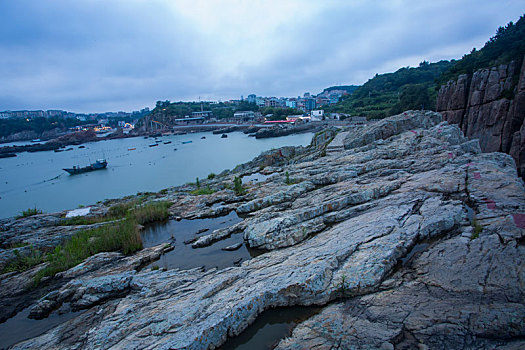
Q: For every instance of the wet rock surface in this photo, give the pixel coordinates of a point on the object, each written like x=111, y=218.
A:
x=386, y=224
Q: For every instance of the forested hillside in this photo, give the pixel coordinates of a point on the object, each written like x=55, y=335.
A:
x=391, y=93
x=416, y=88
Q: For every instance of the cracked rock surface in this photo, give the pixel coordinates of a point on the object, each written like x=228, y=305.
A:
x=388, y=224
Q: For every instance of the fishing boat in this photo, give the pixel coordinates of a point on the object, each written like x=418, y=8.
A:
x=98, y=165
x=183, y=142
x=132, y=149
x=153, y=144
x=223, y=136
x=167, y=142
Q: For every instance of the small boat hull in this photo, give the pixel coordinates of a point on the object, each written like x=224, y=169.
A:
x=98, y=165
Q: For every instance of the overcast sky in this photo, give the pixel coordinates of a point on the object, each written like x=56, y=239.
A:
x=95, y=56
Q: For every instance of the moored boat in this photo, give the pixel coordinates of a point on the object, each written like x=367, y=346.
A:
x=98, y=165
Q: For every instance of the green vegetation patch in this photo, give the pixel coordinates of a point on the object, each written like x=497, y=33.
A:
x=392, y=93
x=29, y=212
x=22, y=262
x=123, y=236
x=115, y=212
x=238, y=187
x=151, y=212
x=477, y=228
x=203, y=191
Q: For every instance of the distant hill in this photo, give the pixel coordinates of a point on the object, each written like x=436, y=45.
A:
x=391, y=93
x=348, y=88
x=416, y=88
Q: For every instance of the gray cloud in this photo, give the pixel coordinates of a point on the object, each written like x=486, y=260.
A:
x=123, y=55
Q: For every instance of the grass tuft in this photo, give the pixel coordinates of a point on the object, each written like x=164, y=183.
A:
x=23, y=262
x=123, y=236
x=237, y=186
x=151, y=212
x=202, y=191
x=29, y=212
x=477, y=229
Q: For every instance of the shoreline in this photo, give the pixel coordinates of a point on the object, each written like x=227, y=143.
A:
x=80, y=138
x=396, y=229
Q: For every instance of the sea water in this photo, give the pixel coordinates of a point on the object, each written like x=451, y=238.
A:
x=36, y=180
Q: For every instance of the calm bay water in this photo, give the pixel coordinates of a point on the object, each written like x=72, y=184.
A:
x=37, y=179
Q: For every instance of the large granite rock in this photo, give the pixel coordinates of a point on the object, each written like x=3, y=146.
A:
x=489, y=105
x=387, y=224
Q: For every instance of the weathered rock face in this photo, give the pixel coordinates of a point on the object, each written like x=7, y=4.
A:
x=490, y=106
x=387, y=224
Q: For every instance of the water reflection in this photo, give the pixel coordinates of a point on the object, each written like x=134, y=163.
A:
x=270, y=327
x=184, y=256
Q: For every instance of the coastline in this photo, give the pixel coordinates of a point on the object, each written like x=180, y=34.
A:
x=377, y=233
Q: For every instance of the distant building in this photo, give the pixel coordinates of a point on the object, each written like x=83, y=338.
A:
x=259, y=101
x=321, y=101
x=294, y=118
x=201, y=114
x=272, y=102
x=334, y=97
x=252, y=98
x=291, y=103
x=244, y=116
x=309, y=104
x=336, y=116
x=189, y=121
x=317, y=114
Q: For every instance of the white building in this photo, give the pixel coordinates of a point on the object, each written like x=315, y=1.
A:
x=317, y=114
x=244, y=115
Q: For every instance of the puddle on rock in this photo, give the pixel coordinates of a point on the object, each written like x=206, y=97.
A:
x=257, y=177
x=270, y=327
x=20, y=327
x=186, y=257
x=420, y=247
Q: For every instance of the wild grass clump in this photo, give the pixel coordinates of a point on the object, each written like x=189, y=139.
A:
x=202, y=191
x=151, y=212
x=115, y=212
x=237, y=186
x=122, y=236
x=82, y=220
x=121, y=209
x=29, y=212
x=211, y=176
x=477, y=228
x=23, y=262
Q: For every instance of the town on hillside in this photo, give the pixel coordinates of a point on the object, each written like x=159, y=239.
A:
x=268, y=111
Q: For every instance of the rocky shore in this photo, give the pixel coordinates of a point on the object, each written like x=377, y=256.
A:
x=408, y=236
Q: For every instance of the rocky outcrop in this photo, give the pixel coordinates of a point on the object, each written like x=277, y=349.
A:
x=411, y=237
x=288, y=130
x=489, y=105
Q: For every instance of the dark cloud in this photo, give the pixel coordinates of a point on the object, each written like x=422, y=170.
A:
x=122, y=55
